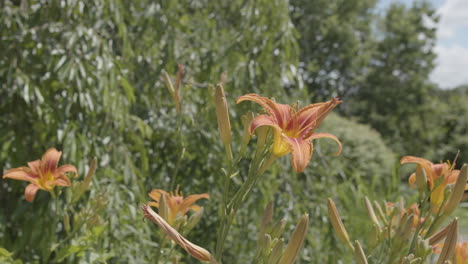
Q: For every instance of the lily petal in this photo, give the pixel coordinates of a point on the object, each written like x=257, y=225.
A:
x=189, y=200
x=21, y=173
x=67, y=168
x=280, y=112
x=154, y=204
x=155, y=194
x=310, y=117
x=62, y=180
x=412, y=180
x=426, y=164
x=50, y=160
x=35, y=166
x=327, y=135
x=31, y=191
x=452, y=178
x=301, y=152
x=262, y=120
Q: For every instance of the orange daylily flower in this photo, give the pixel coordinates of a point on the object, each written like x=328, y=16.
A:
x=293, y=129
x=434, y=172
x=43, y=174
x=178, y=205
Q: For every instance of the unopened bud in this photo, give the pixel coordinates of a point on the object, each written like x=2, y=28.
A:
x=86, y=182
x=89, y=176
x=267, y=218
x=296, y=241
x=434, y=239
x=338, y=224
x=359, y=253
x=222, y=114
x=276, y=252
x=278, y=229
x=370, y=211
x=169, y=84
x=175, y=90
x=380, y=212
x=194, y=250
x=421, y=178
x=194, y=219
x=423, y=248
x=458, y=191
x=163, y=209
x=450, y=243
x=375, y=236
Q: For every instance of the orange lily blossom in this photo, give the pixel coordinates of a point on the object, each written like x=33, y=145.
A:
x=293, y=129
x=43, y=174
x=433, y=173
x=176, y=202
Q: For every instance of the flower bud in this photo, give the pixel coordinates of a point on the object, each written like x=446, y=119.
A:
x=194, y=250
x=458, y=191
x=276, y=252
x=222, y=114
x=380, y=212
x=359, y=253
x=421, y=178
x=163, y=207
x=86, y=182
x=296, y=241
x=370, y=211
x=338, y=224
x=423, y=248
x=267, y=218
x=375, y=236
x=194, y=220
x=434, y=239
x=450, y=242
x=278, y=229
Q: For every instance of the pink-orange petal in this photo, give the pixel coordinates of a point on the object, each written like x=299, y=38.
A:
x=35, y=166
x=310, y=117
x=327, y=135
x=62, y=180
x=21, y=173
x=280, y=112
x=425, y=164
x=68, y=168
x=452, y=177
x=301, y=153
x=154, y=204
x=262, y=120
x=30, y=192
x=412, y=180
x=155, y=194
x=191, y=199
x=50, y=159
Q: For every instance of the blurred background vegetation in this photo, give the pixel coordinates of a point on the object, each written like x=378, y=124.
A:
x=85, y=77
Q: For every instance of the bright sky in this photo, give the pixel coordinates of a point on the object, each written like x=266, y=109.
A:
x=452, y=41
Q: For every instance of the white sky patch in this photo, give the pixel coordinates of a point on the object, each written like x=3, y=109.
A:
x=454, y=16
x=452, y=45
x=452, y=66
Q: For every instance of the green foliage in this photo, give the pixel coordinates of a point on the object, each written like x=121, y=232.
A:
x=85, y=77
x=364, y=150
x=336, y=43
x=395, y=97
